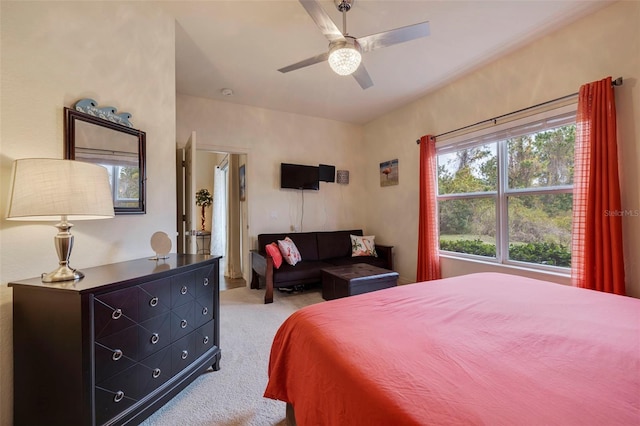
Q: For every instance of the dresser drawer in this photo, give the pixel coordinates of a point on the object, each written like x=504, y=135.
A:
x=183, y=288
x=203, y=310
x=204, y=284
x=115, y=311
x=153, y=335
x=117, y=393
x=183, y=353
x=182, y=320
x=204, y=338
x=154, y=298
x=115, y=353
x=155, y=370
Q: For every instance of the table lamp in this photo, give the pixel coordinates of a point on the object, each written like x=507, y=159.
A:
x=46, y=189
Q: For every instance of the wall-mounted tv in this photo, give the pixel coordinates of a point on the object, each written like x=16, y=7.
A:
x=297, y=176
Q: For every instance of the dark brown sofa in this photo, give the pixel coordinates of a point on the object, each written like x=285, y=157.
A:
x=318, y=250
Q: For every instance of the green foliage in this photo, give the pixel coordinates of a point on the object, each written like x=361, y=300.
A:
x=543, y=253
x=477, y=247
x=204, y=198
x=129, y=183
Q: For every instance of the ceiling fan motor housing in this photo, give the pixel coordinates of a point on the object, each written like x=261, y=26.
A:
x=343, y=5
x=348, y=42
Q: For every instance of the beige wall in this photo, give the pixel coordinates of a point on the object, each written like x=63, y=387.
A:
x=121, y=55
x=605, y=43
x=269, y=138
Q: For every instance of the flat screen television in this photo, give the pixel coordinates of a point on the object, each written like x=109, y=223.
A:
x=297, y=176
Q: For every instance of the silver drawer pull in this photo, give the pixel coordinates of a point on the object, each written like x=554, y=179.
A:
x=205, y=340
x=156, y=373
x=183, y=290
x=205, y=311
x=116, y=314
x=183, y=323
x=153, y=302
x=155, y=338
x=118, y=397
x=184, y=355
x=206, y=281
x=117, y=354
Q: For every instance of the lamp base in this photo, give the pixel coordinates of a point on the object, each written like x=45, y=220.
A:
x=62, y=273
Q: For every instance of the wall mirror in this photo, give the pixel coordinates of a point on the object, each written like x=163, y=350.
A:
x=120, y=149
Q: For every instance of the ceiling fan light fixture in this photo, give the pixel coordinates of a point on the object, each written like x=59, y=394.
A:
x=344, y=57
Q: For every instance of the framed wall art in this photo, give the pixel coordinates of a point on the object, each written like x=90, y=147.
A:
x=389, y=173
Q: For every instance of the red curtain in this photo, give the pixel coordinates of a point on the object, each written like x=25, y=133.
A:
x=597, y=260
x=428, y=259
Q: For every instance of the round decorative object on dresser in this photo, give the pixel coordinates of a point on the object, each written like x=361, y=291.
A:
x=161, y=244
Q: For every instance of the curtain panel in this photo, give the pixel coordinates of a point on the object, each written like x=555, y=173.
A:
x=597, y=259
x=428, y=257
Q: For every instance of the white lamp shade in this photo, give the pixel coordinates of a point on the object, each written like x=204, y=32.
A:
x=45, y=189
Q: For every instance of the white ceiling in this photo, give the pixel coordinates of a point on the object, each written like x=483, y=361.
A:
x=241, y=44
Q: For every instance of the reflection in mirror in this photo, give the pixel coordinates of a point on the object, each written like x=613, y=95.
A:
x=118, y=148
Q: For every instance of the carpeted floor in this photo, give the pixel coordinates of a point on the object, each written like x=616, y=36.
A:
x=232, y=396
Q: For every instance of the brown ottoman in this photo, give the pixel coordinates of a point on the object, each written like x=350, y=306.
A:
x=349, y=280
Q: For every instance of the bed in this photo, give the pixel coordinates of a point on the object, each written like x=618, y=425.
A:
x=485, y=348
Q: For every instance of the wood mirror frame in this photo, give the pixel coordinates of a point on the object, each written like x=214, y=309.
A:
x=119, y=148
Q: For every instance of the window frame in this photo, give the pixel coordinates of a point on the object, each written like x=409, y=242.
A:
x=499, y=134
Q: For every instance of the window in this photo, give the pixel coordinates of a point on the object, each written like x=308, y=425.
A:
x=506, y=194
x=124, y=184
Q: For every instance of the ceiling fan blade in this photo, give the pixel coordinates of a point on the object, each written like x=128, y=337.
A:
x=362, y=77
x=305, y=63
x=389, y=38
x=322, y=20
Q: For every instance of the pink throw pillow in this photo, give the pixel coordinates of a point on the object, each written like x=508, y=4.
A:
x=273, y=251
x=289, y=251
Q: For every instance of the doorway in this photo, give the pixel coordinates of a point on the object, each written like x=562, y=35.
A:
x=219, y=172
x=226, y=217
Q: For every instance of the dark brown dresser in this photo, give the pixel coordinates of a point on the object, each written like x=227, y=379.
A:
x=115, y=346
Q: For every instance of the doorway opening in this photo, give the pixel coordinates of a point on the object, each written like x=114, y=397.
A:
x=225, y=221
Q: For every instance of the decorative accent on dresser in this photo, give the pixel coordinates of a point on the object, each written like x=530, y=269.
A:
x=161, y=244
x=89, y=106
x=114, y=347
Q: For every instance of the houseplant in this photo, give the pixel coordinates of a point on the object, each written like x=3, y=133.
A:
x=204, y=200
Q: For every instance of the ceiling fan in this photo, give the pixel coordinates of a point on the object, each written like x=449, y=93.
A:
x=345, y=51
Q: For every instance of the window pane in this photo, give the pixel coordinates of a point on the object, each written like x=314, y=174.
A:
x=468, y=226
x=542, y=159
x=540, y=229
x=468, y=170
x=127, y=187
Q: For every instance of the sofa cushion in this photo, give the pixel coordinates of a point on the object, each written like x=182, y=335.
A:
x=274, y=251
x=371, y=260
x=289, y=251
x=305, y=271
x=335, y=244
x=363, y=245
x=307, y=244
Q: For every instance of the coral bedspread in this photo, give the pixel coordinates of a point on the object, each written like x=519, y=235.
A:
x=478, y=349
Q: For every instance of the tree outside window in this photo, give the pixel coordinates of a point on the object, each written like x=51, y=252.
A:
x=508, y=197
